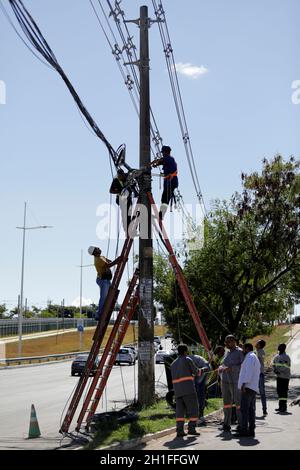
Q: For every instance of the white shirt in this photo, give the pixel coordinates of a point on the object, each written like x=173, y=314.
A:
x=249, y=373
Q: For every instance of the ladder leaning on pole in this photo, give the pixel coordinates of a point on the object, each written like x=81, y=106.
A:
x=99, y=333
x=181, y=281
x=110, y=352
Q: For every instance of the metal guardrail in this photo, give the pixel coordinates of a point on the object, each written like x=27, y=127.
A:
x=39, y=325
x=31, y=359
x=51, y=357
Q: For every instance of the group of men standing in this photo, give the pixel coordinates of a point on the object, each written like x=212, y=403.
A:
x=241, y=373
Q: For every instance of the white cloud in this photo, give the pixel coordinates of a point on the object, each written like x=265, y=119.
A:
x=85, y=302
x=191, y=71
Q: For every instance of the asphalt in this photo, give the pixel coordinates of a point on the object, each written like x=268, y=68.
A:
x=49, y=387
x=275, y=432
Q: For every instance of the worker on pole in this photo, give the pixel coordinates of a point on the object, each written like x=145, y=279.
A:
x=170, y=178
x=104, y=275
x=124, y=192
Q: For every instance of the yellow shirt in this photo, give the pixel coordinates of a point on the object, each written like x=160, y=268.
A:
x=100, y=265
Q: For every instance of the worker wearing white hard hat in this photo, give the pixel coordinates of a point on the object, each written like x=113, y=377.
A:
x=104, y=275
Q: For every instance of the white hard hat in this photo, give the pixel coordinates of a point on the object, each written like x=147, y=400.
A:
x=91, y=249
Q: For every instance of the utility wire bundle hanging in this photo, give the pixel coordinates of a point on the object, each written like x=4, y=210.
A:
x=37, y=40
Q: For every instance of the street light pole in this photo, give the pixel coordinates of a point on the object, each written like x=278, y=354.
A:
x=22, y=285
x=80, y=300
x=21, y=309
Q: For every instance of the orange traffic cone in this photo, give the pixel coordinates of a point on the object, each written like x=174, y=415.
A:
x=34, y=430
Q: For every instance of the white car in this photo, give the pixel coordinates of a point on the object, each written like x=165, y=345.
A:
x=132, y=349
x=125, y=355
x=160, y=356
x=157, y=339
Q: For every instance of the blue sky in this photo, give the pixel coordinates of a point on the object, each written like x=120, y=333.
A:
x=239, y=111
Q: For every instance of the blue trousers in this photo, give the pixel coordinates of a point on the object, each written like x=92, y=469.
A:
x=104, y=285
x=200, y=389
x=262, y=392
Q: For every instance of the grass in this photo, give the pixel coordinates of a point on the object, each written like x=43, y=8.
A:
x=69, y=342
x=150, y=420
x=278, y=335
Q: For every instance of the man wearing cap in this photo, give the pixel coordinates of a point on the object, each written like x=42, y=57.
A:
x=123, y=191
x=104, y=275
x=170, y=178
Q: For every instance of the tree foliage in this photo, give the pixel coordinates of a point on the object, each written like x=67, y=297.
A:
x=246, y=276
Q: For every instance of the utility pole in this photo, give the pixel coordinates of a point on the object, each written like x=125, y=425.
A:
x=146, y=380
x=80, y=304
x=21, y=309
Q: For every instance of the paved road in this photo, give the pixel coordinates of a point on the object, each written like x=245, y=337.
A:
x=48, y=388
x=276, y=431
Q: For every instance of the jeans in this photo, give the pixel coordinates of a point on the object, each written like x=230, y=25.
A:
x=262, y=392
x=248, y=400
x=104, y=285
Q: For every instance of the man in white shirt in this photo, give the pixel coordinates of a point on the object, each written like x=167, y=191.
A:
x=248, y=384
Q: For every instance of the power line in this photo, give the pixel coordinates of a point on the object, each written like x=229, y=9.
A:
x=37, y=40
x=171, y=66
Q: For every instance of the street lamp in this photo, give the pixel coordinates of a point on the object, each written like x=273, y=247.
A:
x=20, y=317
x=80, y=298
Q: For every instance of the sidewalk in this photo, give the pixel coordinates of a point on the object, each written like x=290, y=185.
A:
x=275, y=432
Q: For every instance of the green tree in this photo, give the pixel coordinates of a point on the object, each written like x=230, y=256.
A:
x=2, y=310
x=247, y=274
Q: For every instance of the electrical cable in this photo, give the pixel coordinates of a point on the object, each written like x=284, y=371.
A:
x=171, y=66
x=132, y=84
x=123, y=385
x=37, y=40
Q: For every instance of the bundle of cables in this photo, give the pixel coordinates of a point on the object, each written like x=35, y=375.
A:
x=37, y=40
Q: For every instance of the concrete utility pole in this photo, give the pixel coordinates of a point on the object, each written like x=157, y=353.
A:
x=146, y=329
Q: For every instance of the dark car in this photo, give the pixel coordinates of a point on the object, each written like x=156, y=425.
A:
x=296, y=319
x=79, y=364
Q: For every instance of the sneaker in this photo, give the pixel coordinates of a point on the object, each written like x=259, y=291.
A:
x=181, y=434
x=279, y=409
x=193, y=432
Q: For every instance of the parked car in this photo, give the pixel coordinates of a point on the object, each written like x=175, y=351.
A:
x=296, y=319
x=79, y=364
x=157, y=339
x=160, y=356
x=133, y=350
x=125, y=355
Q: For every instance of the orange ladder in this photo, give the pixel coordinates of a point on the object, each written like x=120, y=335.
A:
x=109, y=354
x=99, y=334
x=181, y=281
